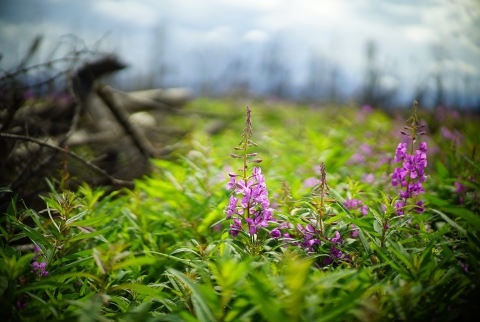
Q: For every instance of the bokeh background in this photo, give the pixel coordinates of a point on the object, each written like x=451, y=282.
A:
x=381, y=53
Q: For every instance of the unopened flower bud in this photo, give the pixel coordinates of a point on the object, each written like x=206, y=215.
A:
x=235, y=156
x=422, y=133
x=403, y=133
x=256, y=161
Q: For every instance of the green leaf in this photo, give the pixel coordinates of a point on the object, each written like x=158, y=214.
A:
x=202, y=310
x=79, y=274
x=185, y=250
x=141, y=289
x=91, y=311
x=465, y=214
x=45, y=284
x=87, y=222
x=435, y=200
x=139, y=261
x=3, y=284
x=451, y=222
x=364, y=241
x=53, y=221
x=90, y=235
x=441, y=169
x=35, y=236
x=64, y=266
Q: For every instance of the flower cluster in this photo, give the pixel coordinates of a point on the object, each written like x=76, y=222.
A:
x=254, y=208
x=310, y=237
x=353, y=204
x=38, y=268
x=334, y=251
x=411, y=174
x=249, y=204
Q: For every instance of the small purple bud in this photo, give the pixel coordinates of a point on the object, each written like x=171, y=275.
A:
x=275, y=233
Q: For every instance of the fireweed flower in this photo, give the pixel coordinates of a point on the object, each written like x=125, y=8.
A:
x=309, y=237
x=334, y=251
x=249, y=203
x=411, y=174
x=353, y=204
x=21, y=305
x=38, y=268
x=36, y=251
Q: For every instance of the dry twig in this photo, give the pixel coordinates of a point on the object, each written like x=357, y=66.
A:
x=113, y=180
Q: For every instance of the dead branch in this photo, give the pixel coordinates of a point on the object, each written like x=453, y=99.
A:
x=138, y=137
x=115, y=181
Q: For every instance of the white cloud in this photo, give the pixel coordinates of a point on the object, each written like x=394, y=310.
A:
x=134, y=12
x=252, y=4
x=256, y=36
x=419, y=34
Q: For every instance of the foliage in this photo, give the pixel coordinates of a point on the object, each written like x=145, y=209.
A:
x=332, y=241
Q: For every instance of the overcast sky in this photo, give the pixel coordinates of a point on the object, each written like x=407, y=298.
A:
x=200, y=34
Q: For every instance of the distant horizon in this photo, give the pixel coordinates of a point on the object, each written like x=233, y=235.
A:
x=307, y=51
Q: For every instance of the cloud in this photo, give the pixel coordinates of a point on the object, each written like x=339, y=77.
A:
x=133, y=12
x=419, y=34
x=256, y=36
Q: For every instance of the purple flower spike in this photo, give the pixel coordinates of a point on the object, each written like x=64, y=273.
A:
x=250, y=191
x=411, y=174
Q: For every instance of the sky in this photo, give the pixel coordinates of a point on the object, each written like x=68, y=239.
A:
x=198, y=41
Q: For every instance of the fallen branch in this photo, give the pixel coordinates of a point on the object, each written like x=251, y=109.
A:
x=114, y=181
x=17, y=182
x=121, y=114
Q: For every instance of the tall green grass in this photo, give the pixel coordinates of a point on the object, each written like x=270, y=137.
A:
x=163, y=251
